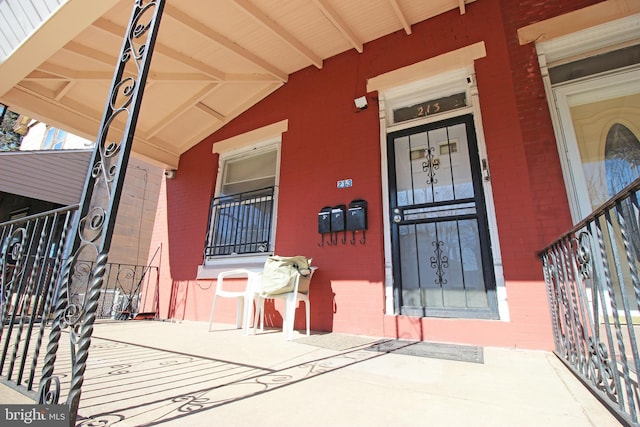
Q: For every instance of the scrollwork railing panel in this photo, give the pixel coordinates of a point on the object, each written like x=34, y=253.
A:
x=593, y=287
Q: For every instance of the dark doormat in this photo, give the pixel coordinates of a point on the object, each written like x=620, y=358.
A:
x=338, y=342
x=460, y=353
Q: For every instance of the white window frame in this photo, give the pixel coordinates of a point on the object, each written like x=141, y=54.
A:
x=616, y=84
x=562, y=96
x=246, y=145
x=58, y=139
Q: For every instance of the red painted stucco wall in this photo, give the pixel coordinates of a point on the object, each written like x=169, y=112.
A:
x=328, y=140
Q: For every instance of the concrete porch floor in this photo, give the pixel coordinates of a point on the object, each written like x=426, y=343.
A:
x=147, y=373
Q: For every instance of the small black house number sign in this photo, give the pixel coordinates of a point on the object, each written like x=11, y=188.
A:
x=434, y=106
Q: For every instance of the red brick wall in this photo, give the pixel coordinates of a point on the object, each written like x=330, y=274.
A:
x=188, y=199
x=328, y=141
x=528, y=327
x=551, y=214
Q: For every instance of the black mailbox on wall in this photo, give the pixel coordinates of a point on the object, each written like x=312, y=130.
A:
x=324, y=220
x=338, y=218
x=357, y=215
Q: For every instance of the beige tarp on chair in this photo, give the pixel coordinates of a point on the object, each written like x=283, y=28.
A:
x=286, y=278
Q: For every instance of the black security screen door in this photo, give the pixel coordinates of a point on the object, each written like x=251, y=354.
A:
x=441, y=250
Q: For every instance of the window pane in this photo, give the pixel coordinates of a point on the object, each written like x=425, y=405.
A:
x=595, y=64
x=48, y=141
x=249, y=173
x=608, y=148
x=243, y=187
x=60, y=138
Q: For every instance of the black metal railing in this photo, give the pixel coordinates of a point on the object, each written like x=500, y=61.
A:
x=593, y=287
x=31, y=256
x=127, y=290
x=33, y=251
x=240, y=223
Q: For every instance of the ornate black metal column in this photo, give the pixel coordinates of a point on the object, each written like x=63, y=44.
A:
x=78, y=298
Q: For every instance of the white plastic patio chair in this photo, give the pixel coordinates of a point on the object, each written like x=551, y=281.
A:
x=245, y=297
x=291, y=301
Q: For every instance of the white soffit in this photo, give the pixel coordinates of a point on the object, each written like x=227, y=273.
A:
x=212, y=60
x=20, y=18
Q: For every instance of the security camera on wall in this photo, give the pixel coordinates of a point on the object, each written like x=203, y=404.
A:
x=170, y=173
x=361, y=103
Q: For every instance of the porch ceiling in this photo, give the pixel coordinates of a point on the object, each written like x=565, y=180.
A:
x=212, y=60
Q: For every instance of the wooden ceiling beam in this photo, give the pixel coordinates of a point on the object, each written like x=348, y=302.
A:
x=50, y=71
x=191, y=62
x=197, y=26
x=60, y=93
x=239, y=109
x=63, y=73
x=69, y=20
x=340, y=24
x=249, y=78
x=181, y=109
x=89, y=52
x=84, y=122
x=116, y=30
x=40, y=74
x=462, y=7
x=256, y=14
x=210, y=111
x=401, y=16
x=45, y=93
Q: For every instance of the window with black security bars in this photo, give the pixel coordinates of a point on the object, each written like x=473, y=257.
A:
x=240, y=223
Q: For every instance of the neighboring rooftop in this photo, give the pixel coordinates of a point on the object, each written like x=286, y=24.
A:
x=55, y=176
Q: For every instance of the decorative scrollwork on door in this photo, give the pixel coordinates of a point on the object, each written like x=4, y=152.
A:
x=430, y=166
x=439, y=262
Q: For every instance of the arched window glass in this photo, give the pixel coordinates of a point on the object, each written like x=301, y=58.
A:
x=622, y=158
x=622, y=165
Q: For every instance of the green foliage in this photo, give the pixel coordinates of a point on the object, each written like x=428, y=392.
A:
x=9, y=140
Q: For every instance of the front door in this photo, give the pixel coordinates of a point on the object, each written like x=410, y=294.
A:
x=442, y=263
